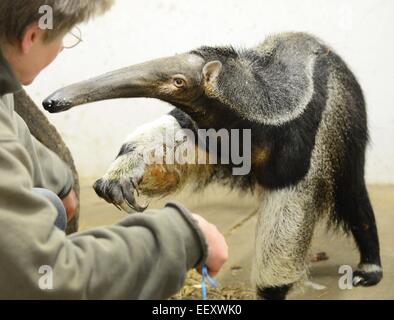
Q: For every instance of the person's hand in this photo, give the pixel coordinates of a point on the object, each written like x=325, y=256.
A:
x=70, y=202
x=217, y=246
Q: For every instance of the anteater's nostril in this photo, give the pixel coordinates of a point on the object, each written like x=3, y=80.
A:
x=48, y=104
x=56, y=105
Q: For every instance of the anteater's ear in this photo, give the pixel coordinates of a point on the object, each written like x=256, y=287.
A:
x=211, y=71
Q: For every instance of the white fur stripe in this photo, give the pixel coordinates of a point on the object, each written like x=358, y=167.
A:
x=367, y=267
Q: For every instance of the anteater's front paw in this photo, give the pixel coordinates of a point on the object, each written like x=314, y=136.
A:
x=144, y=166
x=121, y=184
x=120, y=193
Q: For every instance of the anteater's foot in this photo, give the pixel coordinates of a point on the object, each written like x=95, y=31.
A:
x=367, y=275
x=273, y=293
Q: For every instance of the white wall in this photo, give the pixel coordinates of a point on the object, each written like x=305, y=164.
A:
x=362, y=32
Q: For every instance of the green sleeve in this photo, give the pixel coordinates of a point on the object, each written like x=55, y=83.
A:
x=144, y=256
x=50, y=171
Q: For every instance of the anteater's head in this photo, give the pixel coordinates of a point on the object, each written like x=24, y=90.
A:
x=187, y=81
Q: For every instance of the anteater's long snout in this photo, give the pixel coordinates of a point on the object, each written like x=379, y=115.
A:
x=131, y=82
x=141, y=80
x=123, y=83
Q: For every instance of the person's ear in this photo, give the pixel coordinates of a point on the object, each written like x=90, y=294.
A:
x=211, y=71
x=29, y=37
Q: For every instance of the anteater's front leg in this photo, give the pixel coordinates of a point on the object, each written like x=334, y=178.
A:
x=156, y=159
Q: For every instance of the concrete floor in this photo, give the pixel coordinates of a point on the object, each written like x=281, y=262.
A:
x=233, y=214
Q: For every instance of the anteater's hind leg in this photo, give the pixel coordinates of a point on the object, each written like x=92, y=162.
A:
x=363, y=227
x=354, y=210
x=284, y=232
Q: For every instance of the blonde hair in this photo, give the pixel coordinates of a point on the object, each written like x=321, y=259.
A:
x=17, y=15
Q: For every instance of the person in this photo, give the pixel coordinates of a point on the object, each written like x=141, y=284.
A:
x=145, y=256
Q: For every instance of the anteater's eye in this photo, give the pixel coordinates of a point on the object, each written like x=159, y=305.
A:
x=179, y=82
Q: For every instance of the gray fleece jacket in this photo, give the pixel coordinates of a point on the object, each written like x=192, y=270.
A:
x=145, y=256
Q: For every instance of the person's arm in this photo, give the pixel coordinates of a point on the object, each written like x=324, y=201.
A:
x=50, y=172
x=145, y=256
x=53, y=173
